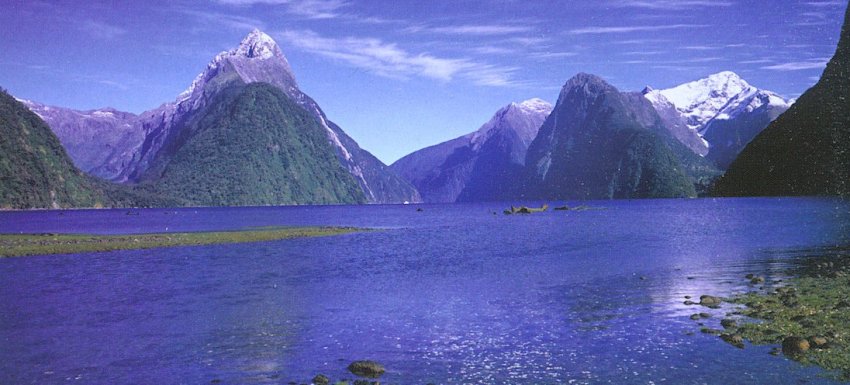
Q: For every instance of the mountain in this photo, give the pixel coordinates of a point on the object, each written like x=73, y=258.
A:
x=252, y=145
x=474, y=167
x=101, y=141
x=600, y=143
x=36, y=172
x=806, y=151
x=723, y=110
x=158, y=133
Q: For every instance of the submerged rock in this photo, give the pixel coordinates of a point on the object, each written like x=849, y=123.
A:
x=320, y=379
x=710, y=301
x=369, y=369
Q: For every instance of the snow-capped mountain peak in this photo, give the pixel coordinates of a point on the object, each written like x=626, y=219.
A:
x=535, y=105
x=523, y=118
x=257, y=45
x=702, y=100
x=258, y=58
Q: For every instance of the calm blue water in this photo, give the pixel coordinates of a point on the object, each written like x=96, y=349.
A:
x=450, y=295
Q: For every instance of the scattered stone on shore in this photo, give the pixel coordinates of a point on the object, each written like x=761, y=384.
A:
x=711, y=331
x=818, y=342
x=735, y=340
x=321, y=379
x=728, y=323
x=794, y=346
x=368, y=369
x=710, y=301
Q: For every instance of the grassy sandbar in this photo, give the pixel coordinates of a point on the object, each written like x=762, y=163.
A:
x=16, y=245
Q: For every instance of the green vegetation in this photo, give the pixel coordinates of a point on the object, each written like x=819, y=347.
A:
x=35, y=171
x=252, y=146
x=809, y=317
x=14, y=245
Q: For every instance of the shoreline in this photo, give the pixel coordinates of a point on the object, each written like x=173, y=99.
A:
x=806, y=317
x=21, y=245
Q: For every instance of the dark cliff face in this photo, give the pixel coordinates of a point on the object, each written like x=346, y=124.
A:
x=479, y=166
x=806, y=151
x=599, y=143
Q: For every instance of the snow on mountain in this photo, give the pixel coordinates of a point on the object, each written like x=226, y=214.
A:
x=723, y=95
x=720, y=102
x=99, y=142
x=258, y=58
x=515, y=117
x=473, y=167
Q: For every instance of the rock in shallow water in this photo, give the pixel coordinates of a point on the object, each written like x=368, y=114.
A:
x=369, y=369
x=710, y=301
x=320, y=379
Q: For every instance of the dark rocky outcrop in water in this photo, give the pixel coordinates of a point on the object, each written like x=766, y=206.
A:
x=806, y=151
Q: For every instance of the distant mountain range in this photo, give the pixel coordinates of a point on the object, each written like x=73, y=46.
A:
x=806, y=151
x=124, y=148
x=713, y=118
x=36, y=172
x=244, y=133
x=480, y=166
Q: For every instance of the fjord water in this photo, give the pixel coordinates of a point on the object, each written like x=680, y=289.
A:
x=452, y=294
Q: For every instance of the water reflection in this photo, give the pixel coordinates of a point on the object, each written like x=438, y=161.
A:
x=451, y=295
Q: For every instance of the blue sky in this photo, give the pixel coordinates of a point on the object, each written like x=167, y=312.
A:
x=401, y=75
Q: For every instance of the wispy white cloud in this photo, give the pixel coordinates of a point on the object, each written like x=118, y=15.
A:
x=670, y=4
x=832, y=3
x=552, y=55
x=313, y=9
x=100, y=30
x=642, y=53
x=236, y=22
x=639, y=41
x=799, y=65
x=701, y=47
x=388, y=60
x=756, y=61
x=114, y=84
x=637, y=28
x=472, y=30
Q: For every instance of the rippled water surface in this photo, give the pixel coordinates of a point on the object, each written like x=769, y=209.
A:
x=452, y=294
